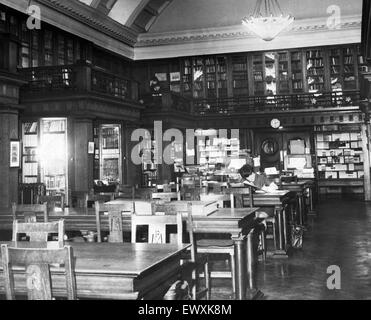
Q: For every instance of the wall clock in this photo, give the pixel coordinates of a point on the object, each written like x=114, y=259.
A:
x=275, y=123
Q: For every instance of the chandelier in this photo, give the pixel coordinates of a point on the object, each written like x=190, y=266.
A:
x=267, y=20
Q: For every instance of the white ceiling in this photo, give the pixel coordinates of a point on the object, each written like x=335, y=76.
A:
x=199, y=14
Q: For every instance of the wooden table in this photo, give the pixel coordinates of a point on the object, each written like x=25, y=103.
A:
x=239, y=223
x=236, y=222
x=279, y=201
x=115, y=271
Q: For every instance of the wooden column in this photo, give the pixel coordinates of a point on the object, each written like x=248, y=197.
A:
x=9, y=176
x=83, y=162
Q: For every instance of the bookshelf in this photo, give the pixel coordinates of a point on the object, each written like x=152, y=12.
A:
x=361, y=61
x=110, y=153
x=211, y=84
x=30, y=164
x=339, y=157
x=335, y=70
x=315, y=71
x=239, y=75
x=149, y=168
x=258, y=75
x=349, y=71
x=215, y=151
x=198, y=78
x=297, y=72
x=187, y=77
x=283, y=72
x=222, y=77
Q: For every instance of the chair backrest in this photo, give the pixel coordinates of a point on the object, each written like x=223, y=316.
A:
x=157, y=227
x=39, y=232
x=242, y=193
x=29, y=211
x=53, y=201
x=114, y=212
x=37, y=262
x=167, y=196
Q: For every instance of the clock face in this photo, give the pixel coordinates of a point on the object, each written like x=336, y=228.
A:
x=275, y=123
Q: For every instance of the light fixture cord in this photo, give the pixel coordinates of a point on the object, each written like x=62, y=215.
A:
x=279, y=7
x=257, y=8
x=271, y=7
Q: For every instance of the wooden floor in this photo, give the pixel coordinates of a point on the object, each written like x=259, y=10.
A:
x=340, y=236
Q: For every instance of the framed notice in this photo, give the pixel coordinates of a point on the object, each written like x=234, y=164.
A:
x=15, y=154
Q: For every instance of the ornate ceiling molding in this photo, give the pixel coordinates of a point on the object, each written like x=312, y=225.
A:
x=239, y=32
x=311, y=32
x=93, y=18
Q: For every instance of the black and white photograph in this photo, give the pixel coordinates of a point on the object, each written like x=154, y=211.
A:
x=201, y=152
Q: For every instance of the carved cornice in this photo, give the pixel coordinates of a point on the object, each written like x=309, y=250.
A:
x=240, y=32
x=93, y=18
x=304, y=33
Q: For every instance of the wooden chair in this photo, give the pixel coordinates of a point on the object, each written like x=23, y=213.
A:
x=37, y=263
x=114, y=221
x=39, y=232
x=212, y=246
x=29, y=211
x=57, y=201
x=157, y=234
x=243, y=194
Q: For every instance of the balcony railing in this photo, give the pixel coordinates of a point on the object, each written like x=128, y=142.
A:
x=278, y=103
x=49, y=78
x=167, y=101
x=77, y=78
x=112, y=85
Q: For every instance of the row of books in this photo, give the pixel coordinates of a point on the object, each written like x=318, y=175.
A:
x=317, y=63
x=342, y=175
x=314, y=54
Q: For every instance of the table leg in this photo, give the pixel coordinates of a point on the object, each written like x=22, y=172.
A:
x=250, y=252
x=301, y=209
x=278, y=213
x=285, y=225
x=282, y=231
x=240, y=256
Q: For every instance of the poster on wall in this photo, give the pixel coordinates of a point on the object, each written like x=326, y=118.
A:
x=174, y=76
x=15, y=157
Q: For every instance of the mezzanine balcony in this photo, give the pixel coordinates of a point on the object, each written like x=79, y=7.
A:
x=75, y=80
x=308, y=102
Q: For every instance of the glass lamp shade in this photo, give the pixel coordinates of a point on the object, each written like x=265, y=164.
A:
x=267, y=28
